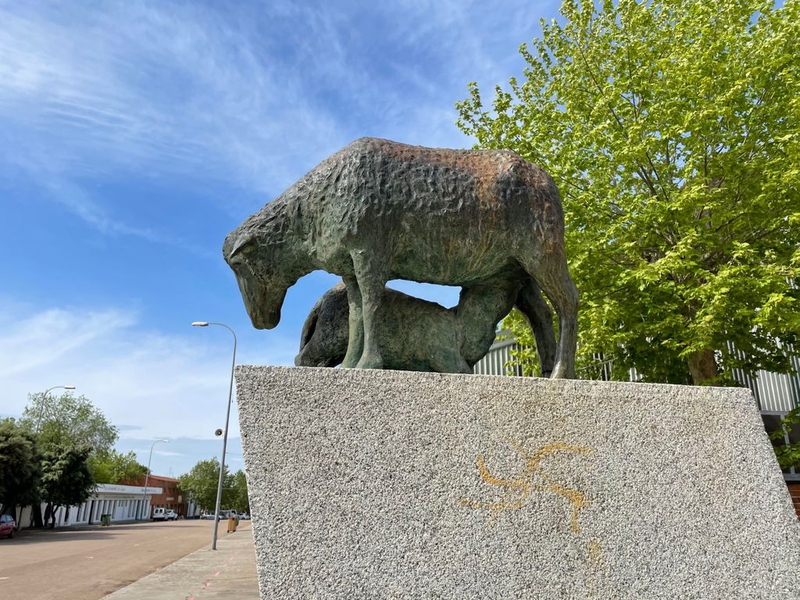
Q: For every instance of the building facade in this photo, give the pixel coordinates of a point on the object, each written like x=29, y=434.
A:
x=119, y=502
x=170, y=496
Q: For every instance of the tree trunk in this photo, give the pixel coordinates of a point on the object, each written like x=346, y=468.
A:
x=50, y=515
x=703, y=367
x=36, y=515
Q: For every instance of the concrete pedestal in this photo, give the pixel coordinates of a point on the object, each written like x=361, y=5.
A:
x=384, y=484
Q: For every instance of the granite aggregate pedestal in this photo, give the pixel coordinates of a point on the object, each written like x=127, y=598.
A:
x=386, y=484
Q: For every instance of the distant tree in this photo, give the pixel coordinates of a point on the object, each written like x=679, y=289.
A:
x=20, y=467
x=110, y=466
x=66, y=479
x=239, y=500
x=672, y=128
x=201, y=483
x=67, y=420
x=67, y=427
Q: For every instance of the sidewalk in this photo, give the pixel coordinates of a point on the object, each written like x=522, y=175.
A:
x=227, y=572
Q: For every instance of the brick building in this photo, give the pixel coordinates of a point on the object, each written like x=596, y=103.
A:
x=170, y=496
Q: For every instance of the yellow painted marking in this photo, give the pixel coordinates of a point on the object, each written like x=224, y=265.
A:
x=518, y=489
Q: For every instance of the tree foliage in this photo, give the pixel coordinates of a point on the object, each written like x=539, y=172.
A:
x=239, y=500
x=111, y=466
x=788, y=454
x=67, y=421
x=672, y=128
x=201, y=484
x=20, y=466
x=69, y=431
x=66, y=478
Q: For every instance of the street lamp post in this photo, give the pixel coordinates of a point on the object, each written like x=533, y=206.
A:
x=147, y=477
x=44, y=401
x=225, y=435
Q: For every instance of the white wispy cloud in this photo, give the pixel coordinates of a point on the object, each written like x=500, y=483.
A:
x=75, y=198
x=182, y=88
x=152, y=384
x=139, y=89
x=50, y=336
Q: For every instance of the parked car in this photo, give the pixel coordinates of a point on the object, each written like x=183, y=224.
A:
x=244, y=517
x=7, y=526
x=171, y=515
x=159, y=514
x=207, y=516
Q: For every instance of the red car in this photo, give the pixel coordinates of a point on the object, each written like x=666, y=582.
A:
x=7, y=525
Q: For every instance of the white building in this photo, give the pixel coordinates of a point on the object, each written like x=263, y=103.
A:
x=120, y=502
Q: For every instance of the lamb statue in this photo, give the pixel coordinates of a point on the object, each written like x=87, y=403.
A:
x=416, y=335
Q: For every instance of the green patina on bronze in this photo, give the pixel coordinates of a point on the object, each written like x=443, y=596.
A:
x=416, y=335
x=379, y=210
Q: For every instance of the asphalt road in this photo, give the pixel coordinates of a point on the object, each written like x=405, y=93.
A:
x=90, y=563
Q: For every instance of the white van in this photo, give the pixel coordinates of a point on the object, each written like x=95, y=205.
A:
x=159, y=514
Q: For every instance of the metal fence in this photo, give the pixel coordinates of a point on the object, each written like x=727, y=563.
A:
x=498, y=361
x=774, y=392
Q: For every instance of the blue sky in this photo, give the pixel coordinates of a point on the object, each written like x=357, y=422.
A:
x=135, y=135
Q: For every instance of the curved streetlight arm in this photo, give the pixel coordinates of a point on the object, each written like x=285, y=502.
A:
x=44, y=401
x=55, y=387
x=225, y=436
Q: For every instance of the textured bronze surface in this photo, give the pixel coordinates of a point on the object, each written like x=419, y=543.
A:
x=379, y=210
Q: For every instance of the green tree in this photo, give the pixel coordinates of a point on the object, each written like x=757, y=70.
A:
x=201, y=484
x=110, y=466
x=672, y=128
x=239, y=500
x=67, y=428
x=20, y=467
x=66, y=478
x=67, y=420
